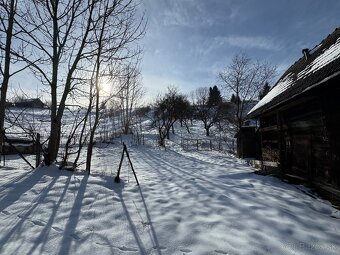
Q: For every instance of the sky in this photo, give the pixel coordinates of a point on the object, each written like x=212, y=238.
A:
x=188, y=42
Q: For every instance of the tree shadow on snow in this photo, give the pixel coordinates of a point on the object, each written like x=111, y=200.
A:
x=19, y=186
x=119, y=190
x=154, y=235
x=17, y=190
x=70, y=228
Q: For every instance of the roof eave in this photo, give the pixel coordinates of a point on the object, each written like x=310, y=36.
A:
x=260, y=111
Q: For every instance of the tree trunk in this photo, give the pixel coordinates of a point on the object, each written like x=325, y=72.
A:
x=126, y=128
x=207, y=131
x=53, y=144
x=81, y=141
x=6, y=73
x=97, y=91
x=161, y=137
x=93, y=131
x=58, y=111
x=89, y=152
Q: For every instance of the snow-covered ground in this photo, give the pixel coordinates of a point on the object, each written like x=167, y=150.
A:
x=193, y=202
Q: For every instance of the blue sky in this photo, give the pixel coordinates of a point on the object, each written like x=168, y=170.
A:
x=189, y=41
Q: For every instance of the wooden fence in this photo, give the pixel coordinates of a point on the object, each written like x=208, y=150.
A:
x=208, y=144
x=18, y=144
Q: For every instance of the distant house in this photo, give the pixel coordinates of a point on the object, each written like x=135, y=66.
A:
x=30, y=103
x=300, y=116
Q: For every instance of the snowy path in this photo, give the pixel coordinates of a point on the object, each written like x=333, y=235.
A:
x=188, y=203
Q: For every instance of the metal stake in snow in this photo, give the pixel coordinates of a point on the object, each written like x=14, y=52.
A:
x=117, y=179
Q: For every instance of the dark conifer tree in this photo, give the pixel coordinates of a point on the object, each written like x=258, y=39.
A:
x=215, y=97
x=266, y=88
x=234, y=99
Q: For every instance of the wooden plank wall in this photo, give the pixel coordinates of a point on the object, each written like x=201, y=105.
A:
x=304, y=135
x=269, y=138
x=331, y=105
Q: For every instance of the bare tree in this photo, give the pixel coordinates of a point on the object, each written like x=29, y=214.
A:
x=114, y=35
x=74, y=143
x=169, y=108
x=63, y=35
x=57, y=32
x=244, y=78
x=130, y=91
x=209, y=108
x=142, y=113
x=200, y=96
x=7, y=14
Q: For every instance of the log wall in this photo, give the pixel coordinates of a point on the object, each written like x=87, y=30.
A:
x=304, y=135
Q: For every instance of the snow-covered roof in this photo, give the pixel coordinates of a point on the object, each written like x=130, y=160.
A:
x=321, y=62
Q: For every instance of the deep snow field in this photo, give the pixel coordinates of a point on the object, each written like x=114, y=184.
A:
x=197, y=202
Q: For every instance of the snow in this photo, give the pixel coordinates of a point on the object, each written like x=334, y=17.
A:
x=329, y=55
x=197, y=202
x=282, y=85
x=326, y=57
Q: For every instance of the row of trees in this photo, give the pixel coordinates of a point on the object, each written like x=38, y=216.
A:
x=73, y=47
x=244, y=81
x=207, y=106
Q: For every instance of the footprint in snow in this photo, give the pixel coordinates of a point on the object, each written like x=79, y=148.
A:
x=146, y=224
x=22, y=217
x=122, y=248
x=6, y=212
x=35, y=191
x=75, y=236
x=221, y=252
x=57, y=229
x=161, y=201
x=88, y=201
x=223, y=198
x=185, y=250
x=116, y=199
x=38, y=222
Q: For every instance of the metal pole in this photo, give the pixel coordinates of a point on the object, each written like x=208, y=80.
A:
x=133, y=170
x=117, y=179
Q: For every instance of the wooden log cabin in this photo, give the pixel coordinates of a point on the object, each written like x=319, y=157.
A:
x=300, y=116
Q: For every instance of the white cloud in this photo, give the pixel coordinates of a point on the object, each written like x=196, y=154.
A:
x=192, y=13
x=248, y=42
